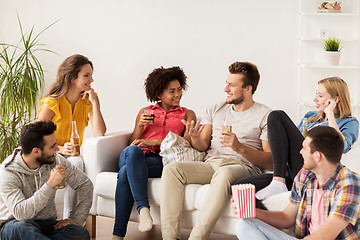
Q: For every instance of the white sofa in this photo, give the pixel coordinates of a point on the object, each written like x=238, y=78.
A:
x=101, y=163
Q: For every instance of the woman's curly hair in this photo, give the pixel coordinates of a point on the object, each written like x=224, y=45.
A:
x=159, y=79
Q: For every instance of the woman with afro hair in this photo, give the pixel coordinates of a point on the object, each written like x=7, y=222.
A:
x=141, y=160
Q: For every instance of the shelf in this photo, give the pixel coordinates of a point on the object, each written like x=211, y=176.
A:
x=309, y=39
x=324, y=66
x=314, y=28
x=315, y=14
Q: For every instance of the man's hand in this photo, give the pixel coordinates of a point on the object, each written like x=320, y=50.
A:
x=229, y=139
x=233, y=206
x=193, y=129
x=65, y=222
x=57, y=175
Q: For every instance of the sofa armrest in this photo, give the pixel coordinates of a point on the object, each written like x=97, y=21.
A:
x=101, y=154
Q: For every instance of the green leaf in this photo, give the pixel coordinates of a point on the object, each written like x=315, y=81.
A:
x=21, y=81
x=332, y=44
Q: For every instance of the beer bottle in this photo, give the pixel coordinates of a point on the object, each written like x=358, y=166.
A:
x=75, y=139
x=304, y=127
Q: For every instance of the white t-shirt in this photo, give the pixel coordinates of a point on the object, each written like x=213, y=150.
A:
x=250, y=127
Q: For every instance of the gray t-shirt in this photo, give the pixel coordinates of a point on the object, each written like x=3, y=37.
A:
x=250, y=127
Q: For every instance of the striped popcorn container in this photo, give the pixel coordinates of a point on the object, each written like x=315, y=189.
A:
x=244, y=200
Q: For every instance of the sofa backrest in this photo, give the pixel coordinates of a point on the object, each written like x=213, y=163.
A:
x=352, y=158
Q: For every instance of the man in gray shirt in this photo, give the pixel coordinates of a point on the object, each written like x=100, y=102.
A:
x=28, y=180
x=230, y=155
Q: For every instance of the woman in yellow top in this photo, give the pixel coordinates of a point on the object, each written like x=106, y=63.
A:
x=71, y=98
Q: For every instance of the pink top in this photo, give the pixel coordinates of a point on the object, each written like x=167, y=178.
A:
x=163, y=123
x=318, y=215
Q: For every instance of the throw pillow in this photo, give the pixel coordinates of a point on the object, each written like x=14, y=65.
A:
x=175, y=149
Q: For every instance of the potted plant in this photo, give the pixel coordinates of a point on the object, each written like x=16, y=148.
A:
x=333, y=47
x=21, y=80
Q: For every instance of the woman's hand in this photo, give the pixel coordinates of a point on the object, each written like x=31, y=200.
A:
x=67, y=150
x=329, y=107
x=91, y=95
x=96, y=119
x=146, y=119
x=145, y=143
x=329, y=111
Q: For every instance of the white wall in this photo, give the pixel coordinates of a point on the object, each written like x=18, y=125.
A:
x=127, y=39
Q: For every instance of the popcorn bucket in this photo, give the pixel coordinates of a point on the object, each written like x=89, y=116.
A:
x=244, y=200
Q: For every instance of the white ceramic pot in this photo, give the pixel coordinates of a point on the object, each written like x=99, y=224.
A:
x=332, y=58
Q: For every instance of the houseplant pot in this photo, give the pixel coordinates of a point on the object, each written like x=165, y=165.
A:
x=332, y=58
x=332, y=48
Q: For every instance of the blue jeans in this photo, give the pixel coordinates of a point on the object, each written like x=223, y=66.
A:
x=252, y=228
x=41, y=229
x=132, y=183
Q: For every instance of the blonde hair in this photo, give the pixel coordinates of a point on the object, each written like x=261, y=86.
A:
x=336, y=87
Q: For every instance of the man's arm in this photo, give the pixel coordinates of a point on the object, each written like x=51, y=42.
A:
x=200, y=136
x=83, y=186
x=329, y=229
x=23, y=208
x=260, y=158
x=279, y=219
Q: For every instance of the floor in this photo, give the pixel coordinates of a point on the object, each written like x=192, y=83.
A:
x=104, y=227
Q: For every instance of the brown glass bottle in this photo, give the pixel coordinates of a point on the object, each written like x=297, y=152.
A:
x=75, y=139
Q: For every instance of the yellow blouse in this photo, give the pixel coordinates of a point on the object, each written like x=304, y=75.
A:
x=64, y=116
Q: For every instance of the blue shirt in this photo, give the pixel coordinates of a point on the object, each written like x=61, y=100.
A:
x=348, y=126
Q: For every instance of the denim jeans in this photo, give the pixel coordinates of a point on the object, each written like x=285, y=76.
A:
x=252, y=228
x=132, y=183
x=41, y=229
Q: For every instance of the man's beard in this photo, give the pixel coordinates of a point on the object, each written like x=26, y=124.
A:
x=237, y=100
x=45, y=159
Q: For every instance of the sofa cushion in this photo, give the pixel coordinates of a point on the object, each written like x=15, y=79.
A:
x=190, y=194
x=105, y=186
x=200, y=201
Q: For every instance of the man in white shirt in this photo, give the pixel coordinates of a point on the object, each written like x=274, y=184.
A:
x=230, y=155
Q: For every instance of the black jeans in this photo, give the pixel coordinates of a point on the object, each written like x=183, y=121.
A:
x=285, y=142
